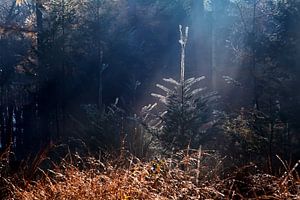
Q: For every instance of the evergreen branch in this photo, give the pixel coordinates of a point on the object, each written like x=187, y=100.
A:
x=172, y=81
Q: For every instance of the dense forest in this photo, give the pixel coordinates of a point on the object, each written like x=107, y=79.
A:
x=214, y=81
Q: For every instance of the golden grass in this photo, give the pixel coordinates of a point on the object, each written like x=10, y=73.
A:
x=186, y=175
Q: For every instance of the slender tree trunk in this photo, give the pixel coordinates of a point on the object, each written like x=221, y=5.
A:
x=182, y=42
x=9, y=126
x=99, y=59
x=10, y=14
x=39, y=28
x=197, y=35
x=213, y=46
x=63, y=96
x=253, y=70
x=270, y=160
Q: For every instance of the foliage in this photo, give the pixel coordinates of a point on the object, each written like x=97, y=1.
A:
x=189, y=174
x=53, y=63
x=115, y=130
x=103, y=128
x=263, y=43
x=183, y=108
x=184, y=111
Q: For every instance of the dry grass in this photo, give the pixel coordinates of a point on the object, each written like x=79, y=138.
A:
x=186, y=175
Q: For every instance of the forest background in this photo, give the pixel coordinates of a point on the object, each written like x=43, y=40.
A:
x=83, y=70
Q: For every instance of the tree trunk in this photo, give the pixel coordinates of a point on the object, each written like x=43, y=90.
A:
x=213, y=46
x=253, y=72
x=37, y=103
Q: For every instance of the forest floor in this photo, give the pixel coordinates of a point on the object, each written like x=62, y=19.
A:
x=195, y=175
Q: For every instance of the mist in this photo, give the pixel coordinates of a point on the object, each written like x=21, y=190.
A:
x=99, y=77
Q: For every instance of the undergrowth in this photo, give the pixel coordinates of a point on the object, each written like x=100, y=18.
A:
x=189, y=174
